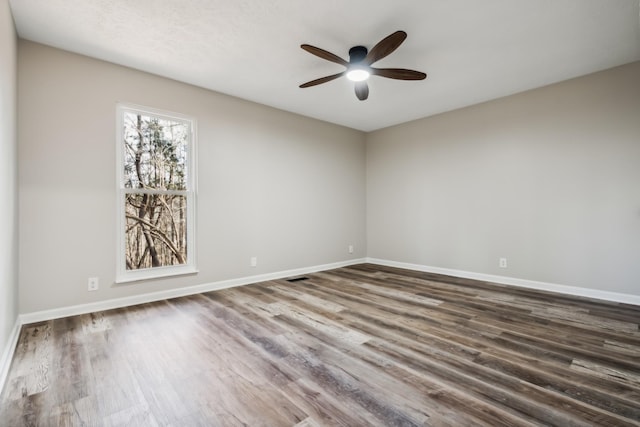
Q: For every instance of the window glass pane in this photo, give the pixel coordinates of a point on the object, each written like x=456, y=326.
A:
x=155, y=152
x=156, y=230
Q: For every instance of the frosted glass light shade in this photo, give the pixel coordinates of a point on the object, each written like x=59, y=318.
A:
x=358, y=75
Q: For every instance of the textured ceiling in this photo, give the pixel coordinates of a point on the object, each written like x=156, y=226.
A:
x=472, y=51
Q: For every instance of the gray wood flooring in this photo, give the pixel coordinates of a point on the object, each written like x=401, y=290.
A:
x=358, y=346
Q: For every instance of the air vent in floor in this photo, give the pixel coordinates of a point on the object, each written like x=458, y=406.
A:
x=297, y=279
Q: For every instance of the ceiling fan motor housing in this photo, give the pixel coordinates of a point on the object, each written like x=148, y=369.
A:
x=357, y=54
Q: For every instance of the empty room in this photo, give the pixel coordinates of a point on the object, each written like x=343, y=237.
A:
x=296, y=213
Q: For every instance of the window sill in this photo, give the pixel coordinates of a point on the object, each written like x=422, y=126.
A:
x=156, y=273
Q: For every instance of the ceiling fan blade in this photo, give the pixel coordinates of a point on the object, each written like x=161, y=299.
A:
x=398, y=73
x=324, y=54
x=385, y=47
x=362, y=90
x=322, y=80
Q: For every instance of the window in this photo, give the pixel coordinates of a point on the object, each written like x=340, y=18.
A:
x=156, y=193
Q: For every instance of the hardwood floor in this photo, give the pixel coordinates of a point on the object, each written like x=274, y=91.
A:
x=357, y=346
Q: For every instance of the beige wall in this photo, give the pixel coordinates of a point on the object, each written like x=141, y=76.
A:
x=287, y=189
x=549, y=179
x=8, y=178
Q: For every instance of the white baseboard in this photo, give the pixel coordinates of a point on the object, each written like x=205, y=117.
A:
x=74, y=310
x=7, y=354
x=522, y=283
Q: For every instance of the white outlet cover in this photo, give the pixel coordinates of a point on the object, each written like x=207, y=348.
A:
x=93, y=284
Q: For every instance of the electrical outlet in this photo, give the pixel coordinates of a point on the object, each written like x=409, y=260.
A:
x=350, y=249
x=254, y=261
x=93, y=284
x=502, y=263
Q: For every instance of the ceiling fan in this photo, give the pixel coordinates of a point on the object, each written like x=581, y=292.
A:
x=359, y=65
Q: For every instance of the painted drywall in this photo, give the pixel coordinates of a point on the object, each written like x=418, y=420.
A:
x=549, y=179
x=286, y=189
x=8, y=179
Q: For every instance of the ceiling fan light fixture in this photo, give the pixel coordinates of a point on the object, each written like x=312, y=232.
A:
x=358, y=74
x=358, y=68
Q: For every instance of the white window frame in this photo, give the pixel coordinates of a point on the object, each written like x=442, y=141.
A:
x=122, y=274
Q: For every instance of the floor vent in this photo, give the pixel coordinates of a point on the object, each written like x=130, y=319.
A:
x=297, y=279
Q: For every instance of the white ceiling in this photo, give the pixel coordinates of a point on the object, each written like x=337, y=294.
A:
x=472, y=51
